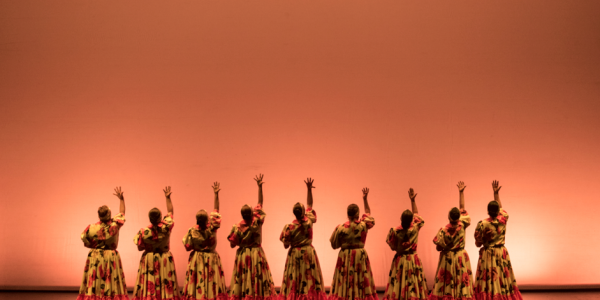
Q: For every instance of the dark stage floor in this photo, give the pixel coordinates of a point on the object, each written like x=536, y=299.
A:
x=527, y=295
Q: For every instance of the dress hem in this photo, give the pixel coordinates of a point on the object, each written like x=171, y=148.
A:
x=270, y=297
x=487, y=296
x=222, y=296
x=367, y=297
x=433, y=297
x=95, y=297
x=155, y=298
x=317, y=295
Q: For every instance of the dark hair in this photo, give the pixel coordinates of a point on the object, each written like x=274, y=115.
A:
x=454, y=214
x=298, y=211
x=493, y=209
x=352, y=210
x=247, y=213
x=154, y=215
x=406, y=219
x=202, y=219
x=104, y=213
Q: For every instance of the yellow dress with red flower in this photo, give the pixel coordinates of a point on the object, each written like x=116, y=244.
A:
x=103, y=277
x=352, y=278
x=302, y=278
x=204, y=277
x=406, y=279
x=454, y=279
x=494, y=279
x=251, y=279
x=156, y=277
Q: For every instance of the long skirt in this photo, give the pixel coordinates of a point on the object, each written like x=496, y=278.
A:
x=204, y=277
x=494, y=279
x=352, y=278
x=406, y=279
x=251, y=278
x=302, y=278
x=156, y=277
x=103, y=277
x=454, y=278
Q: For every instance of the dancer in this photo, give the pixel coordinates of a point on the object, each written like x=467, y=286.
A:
x=352, y=278
x=204, y=276
x=454, y=276
x=302, y=278
x=103, y=276
x=251, y=279
x=494, y=278
x=407, y=280
x=156, y=278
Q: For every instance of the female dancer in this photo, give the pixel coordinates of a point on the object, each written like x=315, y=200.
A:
x=407, y=280
x=251, y=279
x=352, y=278
x=494, y=278
x=103, y=276
x=156, y=278
x=204, y=276
x=454, y=279
x=302, y=278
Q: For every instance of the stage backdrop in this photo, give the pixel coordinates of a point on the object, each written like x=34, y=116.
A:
x=386, y=94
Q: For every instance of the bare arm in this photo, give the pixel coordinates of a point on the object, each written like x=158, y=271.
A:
x=167, y=191
x=259, y=181
x=216, y=188
x=119, y=194
x=461, y=192
x=413, y=195
x=496, y=186
x=365, y=194
x=309, y=196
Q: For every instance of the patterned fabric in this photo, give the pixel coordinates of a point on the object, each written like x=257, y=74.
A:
x=103, y=276
x=156, y=278
x=406, y=278
x=352, y=278
x=454, y=279
x=204, y=277
x=251, y=278
x=494, y=278
x=302, y=277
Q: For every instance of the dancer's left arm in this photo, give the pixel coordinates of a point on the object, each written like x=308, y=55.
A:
x=366, y=202
x=167, y=191
x=412, y=195
x=119, y=195
x=260, y=182
x=309, y=196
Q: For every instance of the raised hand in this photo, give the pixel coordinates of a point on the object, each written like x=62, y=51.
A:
x=365, y=192
x=216, y=187
x=461, y=186
x=259, y=179
x=167, y=191
x=496, y=186
x=119, y=193
x=411, y=194
x=309, y=181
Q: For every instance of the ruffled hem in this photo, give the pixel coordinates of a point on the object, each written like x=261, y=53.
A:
x=409, y=298
x=270, y=297
x=316, y=295
x=222, y=296
x=155, y=298
x=487, y=296
x=367, y=297
x=94, y=297
x=433, y=297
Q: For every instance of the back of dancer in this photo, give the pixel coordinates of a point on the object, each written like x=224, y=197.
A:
x=407, y=280
x=103, y=276
x=302, y=278
x=353, y=278
x=156, y=278
x=453, y=276
x=494, y=278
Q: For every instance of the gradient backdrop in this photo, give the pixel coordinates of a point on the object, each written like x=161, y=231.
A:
x=388, y=94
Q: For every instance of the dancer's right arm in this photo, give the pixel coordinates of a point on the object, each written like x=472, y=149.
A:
x=412, y=195
x=309, y=197
x=259, y=182
x=119, y=195
x=461, y=194
x=216, y=188
x=496, y=186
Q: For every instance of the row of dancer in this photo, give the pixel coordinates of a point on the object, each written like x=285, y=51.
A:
x=103, y=276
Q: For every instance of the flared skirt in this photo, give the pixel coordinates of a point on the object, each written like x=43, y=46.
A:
x=251, y=278
x=352, y=278
x=156, y=277
x=454, y=278
x=302, y=277
x=494, y=279
x=204, y=277
x=406, y=279
x=103, y=277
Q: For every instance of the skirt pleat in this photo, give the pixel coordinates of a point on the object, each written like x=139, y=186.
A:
x=454, y=278
x=103, y=277
x=494, y=279
x=251, y=279
x=204, y=277
x=406, y=279
x=156, y=278
x=352, y=278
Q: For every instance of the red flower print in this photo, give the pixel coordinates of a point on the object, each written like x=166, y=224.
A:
x=248, y=261
x=484, y=275
x=101, y=234
x=107, y=275
x=404, y=291
x=409, y=257
x=504, y=253
x=410, y=273
x=460, y=262
x=506, y=272
x=169, y=288
x=441, y=275
x=310, y=233
x=151, y=289
x=339, y=263
x=363, y=237
x=494, y=274
x=466, y=257
x=113, y=230
x=352, y=257
x=417, y=260
x=465, y=279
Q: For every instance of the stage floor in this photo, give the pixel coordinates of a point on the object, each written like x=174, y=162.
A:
x=527, y=295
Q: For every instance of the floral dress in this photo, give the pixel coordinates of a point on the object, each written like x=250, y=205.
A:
x=156, y=278
x=454, y=279
x=302, y=278
x=352, y=278
x=204, y=276
x=406, y=279
x=494, y=278
x=251, y=279
x=103, y=276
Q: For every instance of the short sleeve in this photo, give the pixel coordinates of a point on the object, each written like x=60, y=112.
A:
x=336, y=238
x=369, y=220
x=187, y=240
x=215, y=219
x=285, y=236
x=311, y=214
x=418, y=221
x=119, y=219
x=259, y=214
x=439, y=239
x=392, y=240
x=465, y=218
x=502, y=216
x=233, y=237
x=84, y=237
x=479, y=234
x=138, y=239
x=168, y=222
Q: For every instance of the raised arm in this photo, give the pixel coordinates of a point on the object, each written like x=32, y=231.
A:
x=167, y=191
x=309, y=197
x=216, y=188
x=461, y=194
x=412, y=195
x=496, y=186
x=259, y=181
x=119, y=194
x=365, y=194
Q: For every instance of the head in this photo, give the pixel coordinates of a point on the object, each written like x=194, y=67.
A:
x=247, y=213
x=493, y=209
x=155, y=216
x=104, y=213
x=406, y=219
x=454, y=215
x=298, y=211
x=353, y=211
x=202, y=218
